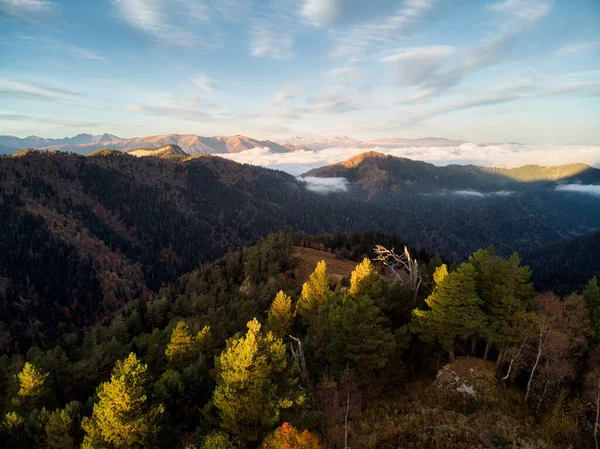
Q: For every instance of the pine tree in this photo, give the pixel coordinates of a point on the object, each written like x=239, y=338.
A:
x=503, y=286
x=356, y=335
x=254, y=383
x=203, y=340
x=454, y=311
x=59, y=428
x=440, y=273
x=364, y=280
x=32, y=383
x=122, y=418
x=315, y=293
x=280, y=317
x=182, y=348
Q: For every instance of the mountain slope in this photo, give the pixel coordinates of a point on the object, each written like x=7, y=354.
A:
x=566, y=265
x=376, y=172
x=166, y=152
x=84, y=235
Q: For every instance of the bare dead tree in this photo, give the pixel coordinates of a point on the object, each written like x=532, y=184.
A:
x=404, y=266
x=512, y=360
x=298, y=354
x=543, y=327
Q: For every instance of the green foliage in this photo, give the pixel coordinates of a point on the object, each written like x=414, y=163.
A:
x=254, y=384
x=182, y=349
x=123, y=418
x=315, y=293
x=454, y=311
x=220, y=440
x=32, y=383
x=364, y=281
x=503, y=286
x=61, y=429
x=280, y=317
x=440, y=274
x=355, y=335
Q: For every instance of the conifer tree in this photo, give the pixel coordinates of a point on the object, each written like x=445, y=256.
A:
x=440, y=273
x=454, y=311
x=280, y=317
x=503, y=286
x=59, y=427
x=364, y=280
x=315, y=293
x=32, y=383
x=182, y=349
x=203, y=340
x=254, y=383
x=122, y=418
x=356, y=335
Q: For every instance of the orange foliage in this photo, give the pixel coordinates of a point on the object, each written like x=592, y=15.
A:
x=287, y=437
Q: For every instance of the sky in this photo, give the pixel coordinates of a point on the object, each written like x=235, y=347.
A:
x=523, y=71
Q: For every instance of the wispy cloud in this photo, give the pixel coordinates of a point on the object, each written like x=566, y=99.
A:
x=434, y=70
x=12, y=117
x=577, y=48
x=23, y=90
x=321, y=12
x=203, y=82
x=31, y=10
x=383, y=31
x=179, y=22
x=268, y=41
x=282, y=97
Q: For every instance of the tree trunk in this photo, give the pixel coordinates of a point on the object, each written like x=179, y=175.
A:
x=542, y=397
x=500, y=360
x=298, y=355
x=473, y=347
x=512, y=361
x=451, y=355
x=535, y=365
x=488, y=346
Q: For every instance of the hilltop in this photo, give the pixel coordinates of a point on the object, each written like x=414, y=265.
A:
x=167, y=152
x=374, y=172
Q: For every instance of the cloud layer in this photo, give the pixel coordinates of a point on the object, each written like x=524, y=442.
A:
x=590, y=189
x=325, y=185
x=501, y=155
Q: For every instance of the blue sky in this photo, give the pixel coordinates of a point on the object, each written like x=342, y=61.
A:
x=483, y=71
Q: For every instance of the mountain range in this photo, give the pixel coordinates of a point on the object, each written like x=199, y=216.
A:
x=192, y=144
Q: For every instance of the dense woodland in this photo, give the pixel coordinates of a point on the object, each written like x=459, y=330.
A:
x=245, y=353
x=85, y=235
x=131, y=318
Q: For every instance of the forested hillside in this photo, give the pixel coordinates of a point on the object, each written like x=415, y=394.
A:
x=85, y=235
x=246, y=352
